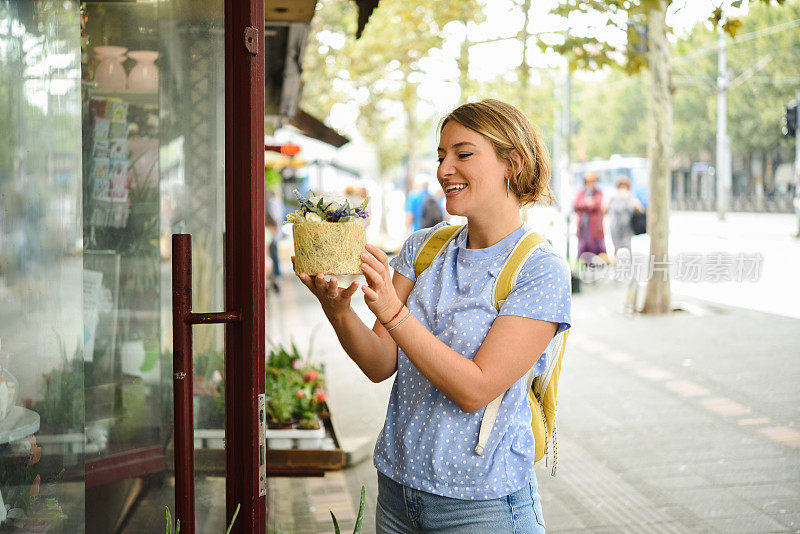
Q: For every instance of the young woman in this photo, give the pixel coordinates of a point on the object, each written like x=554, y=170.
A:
x=451, y=351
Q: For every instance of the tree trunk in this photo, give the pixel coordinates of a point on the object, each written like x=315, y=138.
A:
x=412, y=132
x=463, y=68
x=659, y=148
x=524, y=69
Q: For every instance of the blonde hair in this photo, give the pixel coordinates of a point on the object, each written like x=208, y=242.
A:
x=507, y=128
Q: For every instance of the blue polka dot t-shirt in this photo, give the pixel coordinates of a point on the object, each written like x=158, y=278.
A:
x=427, y=442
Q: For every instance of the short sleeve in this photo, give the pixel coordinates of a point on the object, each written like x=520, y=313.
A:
x=543, y=290
x=403, y=263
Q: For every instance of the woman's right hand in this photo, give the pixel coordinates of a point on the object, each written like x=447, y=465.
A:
x=335, y=300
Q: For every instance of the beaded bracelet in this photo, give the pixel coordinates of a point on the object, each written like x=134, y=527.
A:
x=395, y=315
x=401, y=321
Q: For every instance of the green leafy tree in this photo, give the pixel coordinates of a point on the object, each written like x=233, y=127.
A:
x=621, y=128
x=761, y=60
x=379, y=73
x=596, y=49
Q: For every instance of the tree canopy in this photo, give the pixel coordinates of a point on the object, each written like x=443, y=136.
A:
x=379, y=74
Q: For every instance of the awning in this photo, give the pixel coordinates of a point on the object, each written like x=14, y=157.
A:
x=289, y=10
x=365, y=9
x=312, y=127
x=303, y=11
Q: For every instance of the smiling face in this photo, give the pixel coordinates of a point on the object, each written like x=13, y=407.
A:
x=470, y=173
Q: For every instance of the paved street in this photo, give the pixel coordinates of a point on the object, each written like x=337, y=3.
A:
x=684, y=423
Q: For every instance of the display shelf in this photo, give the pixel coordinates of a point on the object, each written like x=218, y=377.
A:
x=326, y=456
x=131, y=96
x=19, y=423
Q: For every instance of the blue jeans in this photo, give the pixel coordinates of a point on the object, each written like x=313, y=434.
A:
x=402, y=509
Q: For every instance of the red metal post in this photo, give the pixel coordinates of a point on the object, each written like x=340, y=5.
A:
x=244, y=259
x=182, y=380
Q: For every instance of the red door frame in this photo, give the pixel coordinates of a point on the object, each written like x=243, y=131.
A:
x=244, y=259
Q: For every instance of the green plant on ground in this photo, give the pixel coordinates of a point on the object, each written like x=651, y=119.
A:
x=359, y=518
x=177, y=529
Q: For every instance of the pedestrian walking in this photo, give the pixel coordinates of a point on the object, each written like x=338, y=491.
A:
x=273, y=216
x=589, y=208
x=620, y=208
x=414, y=205
x=450, y=350
x=432, y=212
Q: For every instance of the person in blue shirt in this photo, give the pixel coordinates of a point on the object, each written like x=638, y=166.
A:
x=414, y=204
x=448, y=348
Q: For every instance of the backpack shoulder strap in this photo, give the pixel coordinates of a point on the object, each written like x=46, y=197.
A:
x=433, y=246
x=502, y=288
x=513, y=264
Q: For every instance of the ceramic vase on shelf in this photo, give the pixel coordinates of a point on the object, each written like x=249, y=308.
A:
x=110, y=74
x=144, y=76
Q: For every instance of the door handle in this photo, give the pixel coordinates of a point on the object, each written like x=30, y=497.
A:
x=182, y=377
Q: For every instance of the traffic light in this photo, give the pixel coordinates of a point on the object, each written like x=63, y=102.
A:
x=789, y=128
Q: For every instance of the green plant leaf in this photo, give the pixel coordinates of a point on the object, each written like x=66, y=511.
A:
x=169, y=520
x=335, y=524
x=235, y=513
x=360, y=517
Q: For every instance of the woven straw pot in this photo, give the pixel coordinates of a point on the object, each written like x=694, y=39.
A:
x=328, y=247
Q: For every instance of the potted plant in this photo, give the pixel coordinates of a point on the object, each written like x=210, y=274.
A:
x=328, y=233
x=281, y=398
x=295, y=400
x=209, y=400
x=61, y=409
x=27, y=505
x=311, y=399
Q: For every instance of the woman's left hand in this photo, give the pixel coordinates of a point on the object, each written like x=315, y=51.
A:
x=379, y=293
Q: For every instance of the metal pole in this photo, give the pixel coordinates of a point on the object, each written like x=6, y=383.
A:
x=556, y=176
x=723, y=167
x=797, y=139
x=182, y=375
x=182, y=380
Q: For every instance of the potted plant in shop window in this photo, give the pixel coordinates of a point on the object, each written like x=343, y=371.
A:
x=26, y=501
x=61, y=409
x=295, y=400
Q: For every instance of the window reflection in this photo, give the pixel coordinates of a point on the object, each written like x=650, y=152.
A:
x=112, y=139
x=41, y=331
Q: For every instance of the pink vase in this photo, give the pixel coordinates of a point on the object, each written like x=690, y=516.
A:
x=144, y=76
x=110, y=74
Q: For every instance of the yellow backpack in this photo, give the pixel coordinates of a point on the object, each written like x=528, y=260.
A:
x=543, y=389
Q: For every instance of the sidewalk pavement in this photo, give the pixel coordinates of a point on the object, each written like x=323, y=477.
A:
x=681, y=423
